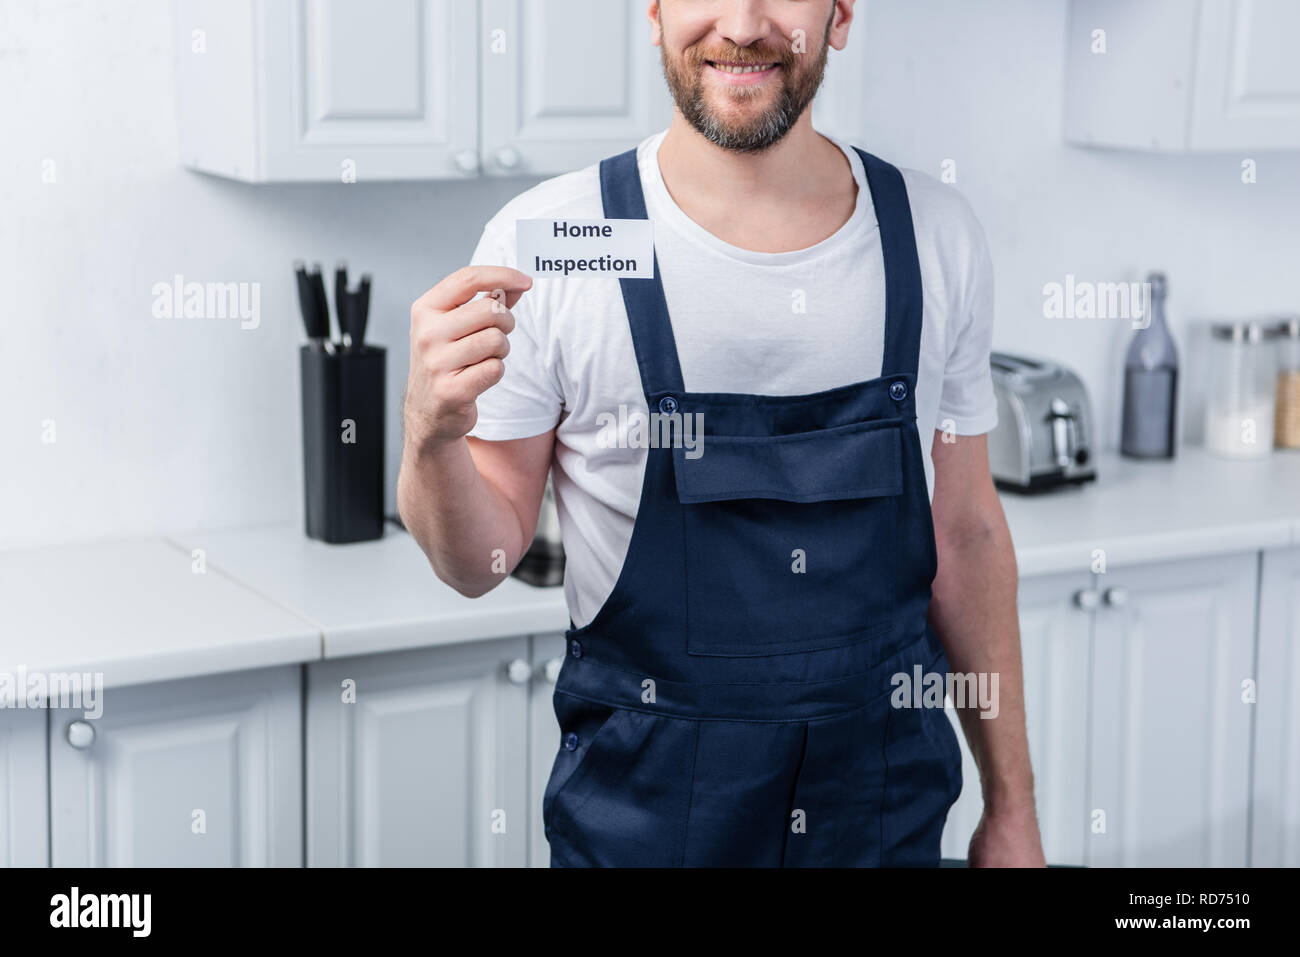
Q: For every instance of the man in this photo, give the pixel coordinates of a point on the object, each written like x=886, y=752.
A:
x=741, y=614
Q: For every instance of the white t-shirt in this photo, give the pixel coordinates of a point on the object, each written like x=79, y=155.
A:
x=763, y=323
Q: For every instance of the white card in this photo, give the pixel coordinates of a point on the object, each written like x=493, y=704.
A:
x=586, y=248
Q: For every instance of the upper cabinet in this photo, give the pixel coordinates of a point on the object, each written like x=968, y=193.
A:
x=354, y=91
x=565, y=84
x=1183, y=75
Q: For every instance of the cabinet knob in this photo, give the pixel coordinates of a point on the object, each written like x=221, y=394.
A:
x=1116, y=597
x=518, y=672
x=467, y=161
x=508, y=157
x=551, y=670
x=1086, y=598
x=81, y=735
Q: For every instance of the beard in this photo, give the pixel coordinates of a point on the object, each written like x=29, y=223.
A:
x=800, y=80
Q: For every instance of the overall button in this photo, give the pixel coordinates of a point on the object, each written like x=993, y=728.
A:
x=570, y=742
x=575, y=648
x=898, y=391
x=668, y=405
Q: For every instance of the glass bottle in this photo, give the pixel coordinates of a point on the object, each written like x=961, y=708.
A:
x=1151, y=384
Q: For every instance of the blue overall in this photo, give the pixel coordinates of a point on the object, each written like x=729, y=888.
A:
x=729, y=705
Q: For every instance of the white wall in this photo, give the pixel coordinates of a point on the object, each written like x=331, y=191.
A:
x=980, y=82
x=165, y=424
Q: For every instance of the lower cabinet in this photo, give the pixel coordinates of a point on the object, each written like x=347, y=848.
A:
x=24, y=817
x=420, y=758
x=201, y=772
x=1054, y=638
x=1173, y=652
x=1275, y=799
x=1138, y=723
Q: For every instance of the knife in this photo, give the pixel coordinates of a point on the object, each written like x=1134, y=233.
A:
x=317, y=331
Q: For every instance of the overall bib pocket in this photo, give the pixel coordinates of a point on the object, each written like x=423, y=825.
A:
x=789, y=539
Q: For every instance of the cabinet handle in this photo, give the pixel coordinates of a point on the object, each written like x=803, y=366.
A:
x=518, y=672
x=507, y=157
x=81, y=735
x=1086, y=598
x=1116, y=597
x=467, y=161
x=551, y=670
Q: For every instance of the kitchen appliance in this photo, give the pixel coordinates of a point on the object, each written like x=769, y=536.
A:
x=1044, y=437
x=1239, y=410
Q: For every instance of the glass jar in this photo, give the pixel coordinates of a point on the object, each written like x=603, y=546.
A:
x=1287, y=428
x=1239, y=409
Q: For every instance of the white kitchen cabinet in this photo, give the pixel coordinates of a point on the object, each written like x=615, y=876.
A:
x=24, y=816
x=351, y=90
x=198, y=772
x=1170, y=742
x=567, y=83
x=1184, y=75
x=419, y=758
x=1055, y=637
x=1275, y=804
x=543, y=739
x=1138, y=734
x=326, y=90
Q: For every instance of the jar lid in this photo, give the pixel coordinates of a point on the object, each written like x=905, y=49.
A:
x=1244, y=330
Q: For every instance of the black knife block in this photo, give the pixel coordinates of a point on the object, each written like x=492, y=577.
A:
x=343, y=443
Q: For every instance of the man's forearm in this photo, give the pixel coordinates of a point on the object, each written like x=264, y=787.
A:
x=973, y=611
x=467, y=528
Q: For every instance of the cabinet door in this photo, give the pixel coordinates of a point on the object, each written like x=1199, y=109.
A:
x=543, y=739
x=1170, y=754
x=419, y=758
x=1275, y=802
x=24, y=815
x=1054, y=640
x=201, y=772
x=387, y=87
x=567, y=83
x=1247, y=76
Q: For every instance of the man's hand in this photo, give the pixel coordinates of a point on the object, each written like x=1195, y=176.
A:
x=473, y=515
x=1006, y=837
x=458, y=344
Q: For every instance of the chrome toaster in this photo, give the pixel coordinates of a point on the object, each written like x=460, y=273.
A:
x=1044, y=437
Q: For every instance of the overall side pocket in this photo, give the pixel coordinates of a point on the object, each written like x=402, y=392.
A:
x=585, y=720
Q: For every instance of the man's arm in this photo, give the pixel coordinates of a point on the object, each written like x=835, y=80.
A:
x=471, y=505
x=973, y=611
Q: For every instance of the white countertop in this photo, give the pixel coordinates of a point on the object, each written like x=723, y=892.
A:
x=1195, y=505
x=137, y=612
x=374, y=596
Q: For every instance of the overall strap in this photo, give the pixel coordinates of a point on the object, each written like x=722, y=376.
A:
x=647, y=309
x=903, y=297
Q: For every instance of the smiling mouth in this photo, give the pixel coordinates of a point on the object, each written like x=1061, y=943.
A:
x=740, y=68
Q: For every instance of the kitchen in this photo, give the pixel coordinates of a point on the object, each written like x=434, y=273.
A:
x=157, y=509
